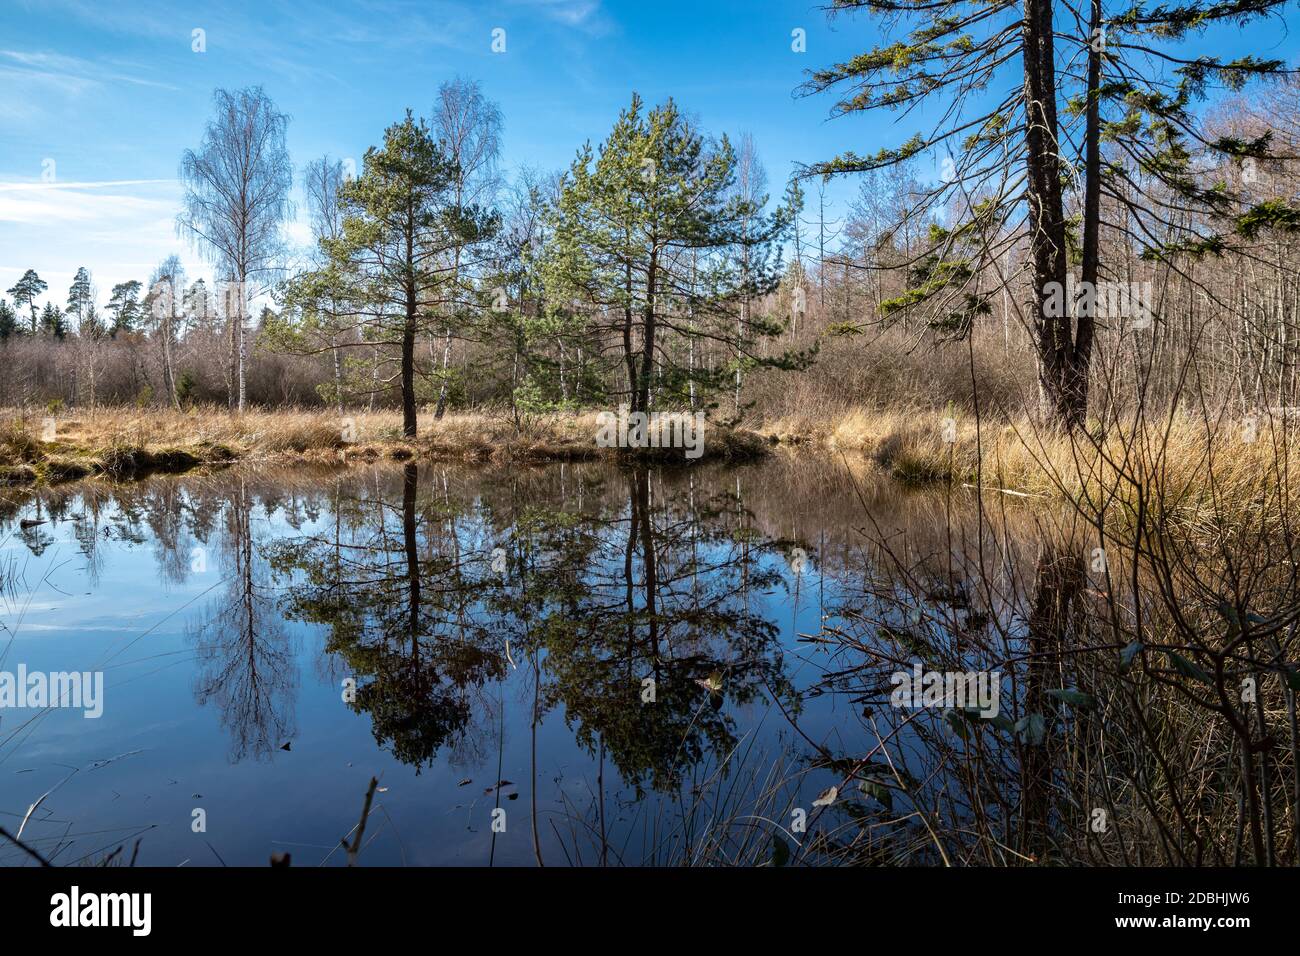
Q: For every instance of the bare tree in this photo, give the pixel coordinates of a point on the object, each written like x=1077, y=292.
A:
x=468, y=125
x=164, y=311
x=321, y=181
x=236, y=195
x=751, y=192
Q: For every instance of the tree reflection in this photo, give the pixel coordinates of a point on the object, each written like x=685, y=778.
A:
x=246, y=663
x=414, y=672
x=637, y=618
x=673, y=611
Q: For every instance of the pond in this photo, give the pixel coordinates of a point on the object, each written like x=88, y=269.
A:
x=585, y=664
x=569, y=664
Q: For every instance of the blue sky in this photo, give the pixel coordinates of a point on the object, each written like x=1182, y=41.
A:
x=102, y=97
x=112, y=93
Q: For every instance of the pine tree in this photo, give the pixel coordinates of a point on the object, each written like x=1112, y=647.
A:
x=25, y=291
x=92, y=326
x=393, y=267
x=1013, y=168
x=79, y=295
x=8, y=321
x=124, y=303
x=640, y=246
x=535, y=344
x=197, y=306
x=52, y=322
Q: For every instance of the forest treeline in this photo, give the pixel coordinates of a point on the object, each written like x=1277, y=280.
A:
x=1111, y=226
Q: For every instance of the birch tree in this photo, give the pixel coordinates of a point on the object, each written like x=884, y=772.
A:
x=236, y=197
x=468, y=126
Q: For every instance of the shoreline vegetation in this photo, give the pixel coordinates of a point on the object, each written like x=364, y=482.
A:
x=1191, y=458
x=127, y=443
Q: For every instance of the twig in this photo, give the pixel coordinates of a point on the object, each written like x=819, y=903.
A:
x=355, y=847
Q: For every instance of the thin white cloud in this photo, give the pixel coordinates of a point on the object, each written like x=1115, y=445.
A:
x=27, y=92
x=46, y=204
x=106, y=184
x=297, y=42
x=574, y=13
x=37, y=83
x=120, y=229
x=74, y=72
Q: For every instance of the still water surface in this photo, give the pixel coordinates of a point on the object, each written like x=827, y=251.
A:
x=625, y=662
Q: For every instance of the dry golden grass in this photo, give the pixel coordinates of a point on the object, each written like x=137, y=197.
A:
x=126, y=441
x=1195, y=464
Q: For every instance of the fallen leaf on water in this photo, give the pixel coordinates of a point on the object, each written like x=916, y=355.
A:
x=713, y=683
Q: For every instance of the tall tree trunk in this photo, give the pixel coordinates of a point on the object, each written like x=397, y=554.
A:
x=169, y=368
x=1085, y=321
x=243, y=359
x=446, y=361
x=1053, y=339
x=629, y=356
x=642, y=399
x=230, y=369
x=408, y=366
x=242, y=308
x=338, y=379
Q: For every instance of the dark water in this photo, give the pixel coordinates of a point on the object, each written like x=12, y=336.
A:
x=499, y=628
